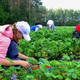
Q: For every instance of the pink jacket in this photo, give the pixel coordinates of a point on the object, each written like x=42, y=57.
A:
x=6, y=35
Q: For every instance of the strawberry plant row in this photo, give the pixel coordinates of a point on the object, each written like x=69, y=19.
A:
x=51, y=44
x=62, y=70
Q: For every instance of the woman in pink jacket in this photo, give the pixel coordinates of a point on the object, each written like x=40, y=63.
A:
x=9, y=39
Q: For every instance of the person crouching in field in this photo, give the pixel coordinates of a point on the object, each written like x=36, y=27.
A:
x=76, y=32
x=50, y=25
x=9, y=40
x=37, y=26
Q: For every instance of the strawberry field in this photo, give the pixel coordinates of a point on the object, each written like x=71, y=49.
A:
x=53, y=55
x=51, y=44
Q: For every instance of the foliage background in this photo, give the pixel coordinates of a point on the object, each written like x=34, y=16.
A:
x=32, y=10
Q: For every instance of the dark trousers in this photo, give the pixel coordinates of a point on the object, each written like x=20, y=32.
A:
x=75, y=34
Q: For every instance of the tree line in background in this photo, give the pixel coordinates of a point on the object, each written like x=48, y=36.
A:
x=64, y=17
x=32, y=11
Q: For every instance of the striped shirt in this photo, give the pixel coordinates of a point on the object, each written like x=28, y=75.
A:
x=6, y=35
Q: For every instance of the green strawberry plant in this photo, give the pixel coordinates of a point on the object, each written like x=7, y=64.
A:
x=32, y=60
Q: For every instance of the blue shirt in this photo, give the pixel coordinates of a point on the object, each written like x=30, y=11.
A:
x=13, y=52
x=53, y=27
x=34, y=28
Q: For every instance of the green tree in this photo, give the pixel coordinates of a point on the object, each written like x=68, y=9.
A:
x=76, y=17
x=64, y=17
x=4, y=11
x=50, y=14
x=36, y=14
x=43, y=13
x=71, y=18
x=59, y=16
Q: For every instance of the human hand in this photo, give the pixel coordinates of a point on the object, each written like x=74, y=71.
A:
x=27, y=57
x=25, y=64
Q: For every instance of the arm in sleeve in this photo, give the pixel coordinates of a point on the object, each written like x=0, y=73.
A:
x=4, y=44
x=37, y=29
